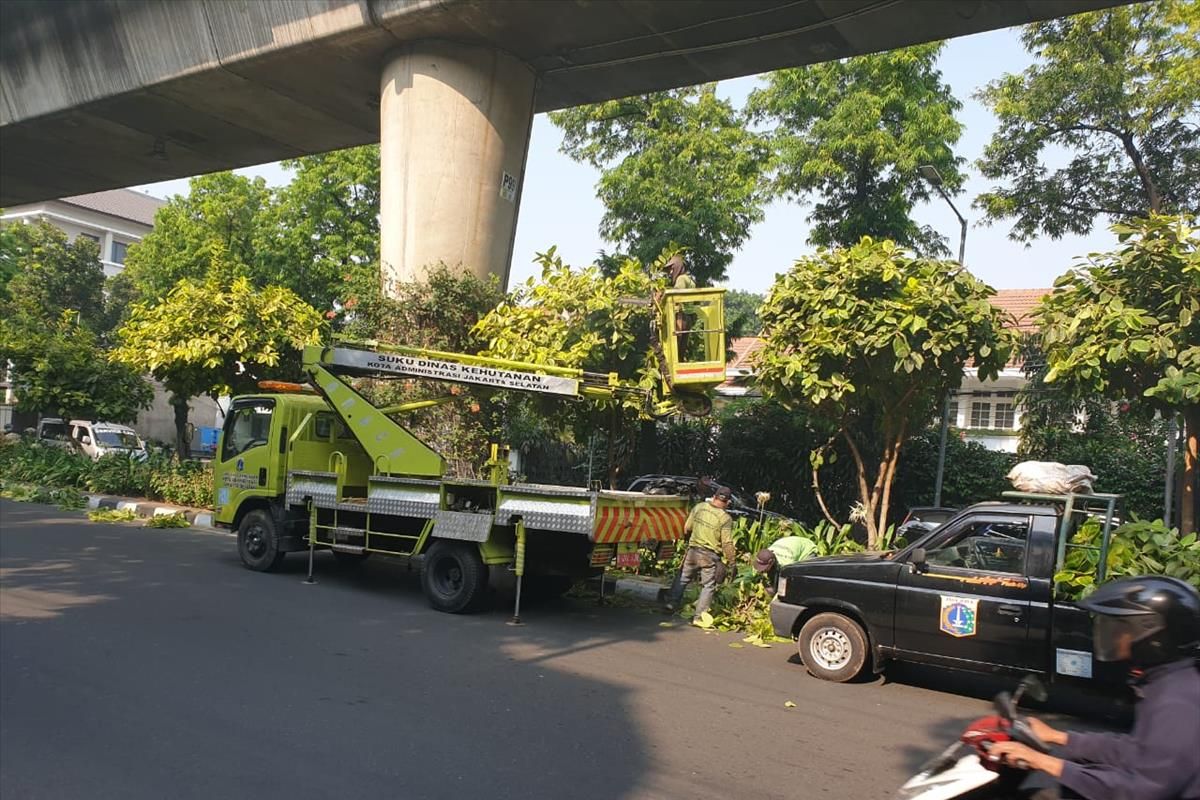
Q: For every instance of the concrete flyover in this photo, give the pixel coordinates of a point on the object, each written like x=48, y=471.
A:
x=96, y=94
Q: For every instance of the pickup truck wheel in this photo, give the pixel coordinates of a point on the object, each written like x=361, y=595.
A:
x=454, y=577
x=258, y=542
x=833, y=647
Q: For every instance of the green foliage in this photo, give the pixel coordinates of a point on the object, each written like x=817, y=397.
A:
x=177, y=520
x=1135, y=548
x=159, y=478
x=853, y=132
x=741, y=313
x=219, y=336
x=972, y=474
x=1118, y=90
x=866, y=340
x=1126, y=324
x=112, y=515
x=60, y=369
x=678, y=166
x=318, y=236
x=439, y=313
x=53, y=324
x=47, y=466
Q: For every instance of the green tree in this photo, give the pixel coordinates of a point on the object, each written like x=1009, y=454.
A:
x=1126, y=324
x=741, y=313
x=221, y=212
x=60, y=369
x=53, y=324
x=217, y=336
x=865, y=340
x=322, y=230
x=1118, y=90
x=51, y=275
x=677, y=167
x=578, y=318
x=852, y=133
x=439, y=313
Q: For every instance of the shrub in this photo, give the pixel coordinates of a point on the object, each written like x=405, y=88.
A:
x=1135, y=548
x=39, y=464
x=187, y=483
x=120, y=474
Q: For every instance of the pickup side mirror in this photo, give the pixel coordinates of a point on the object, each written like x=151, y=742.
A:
x=85, y=439
x=916, y=559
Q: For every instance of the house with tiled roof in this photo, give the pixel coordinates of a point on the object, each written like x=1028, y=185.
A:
x=114, y=219
x=983, y=411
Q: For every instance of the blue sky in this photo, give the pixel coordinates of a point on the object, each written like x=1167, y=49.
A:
x=559, y=207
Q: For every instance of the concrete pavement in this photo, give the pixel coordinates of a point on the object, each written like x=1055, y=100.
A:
x=141, y=663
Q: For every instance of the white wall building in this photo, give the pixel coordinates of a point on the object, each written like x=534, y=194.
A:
x=983, y=411
x=114, y=219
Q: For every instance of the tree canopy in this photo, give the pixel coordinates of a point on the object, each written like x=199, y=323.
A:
x=1126, y=325
x=217, y=336
x=54, y=319
x=677, y=167
x=849, y=136
x=867, y=340
x=1119, y=91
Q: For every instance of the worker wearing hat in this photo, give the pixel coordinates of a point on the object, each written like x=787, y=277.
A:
x=781, y=552
x=711, y=531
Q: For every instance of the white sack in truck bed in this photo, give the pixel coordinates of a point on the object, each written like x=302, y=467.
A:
x=1049, y=477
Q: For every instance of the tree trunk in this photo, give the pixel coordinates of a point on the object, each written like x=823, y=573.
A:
x=1139, y=164
x=182, y=445
x=1188, y=511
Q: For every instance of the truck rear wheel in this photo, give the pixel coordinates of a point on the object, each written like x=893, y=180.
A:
x=833, y=647
x=454, y=577
x=258, y=542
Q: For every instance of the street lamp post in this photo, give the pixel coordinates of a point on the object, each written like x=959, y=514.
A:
x=934, y=178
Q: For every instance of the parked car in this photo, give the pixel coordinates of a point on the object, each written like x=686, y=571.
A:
x=93, y=439
x=699, y=489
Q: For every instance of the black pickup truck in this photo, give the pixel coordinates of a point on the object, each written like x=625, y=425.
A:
x=976, y=593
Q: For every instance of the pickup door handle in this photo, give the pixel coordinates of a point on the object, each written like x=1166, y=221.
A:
x=1010, y=611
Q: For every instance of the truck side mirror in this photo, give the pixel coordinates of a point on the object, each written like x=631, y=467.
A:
x=916, y=559
x=85, y=439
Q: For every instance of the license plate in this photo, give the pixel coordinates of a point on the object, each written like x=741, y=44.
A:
x=628, y=555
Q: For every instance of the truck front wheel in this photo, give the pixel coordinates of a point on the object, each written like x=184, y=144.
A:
x=454, y=577
x=833, y=647
x=258, y=542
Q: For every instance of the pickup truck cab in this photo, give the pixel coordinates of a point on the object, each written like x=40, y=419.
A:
x=976, y=593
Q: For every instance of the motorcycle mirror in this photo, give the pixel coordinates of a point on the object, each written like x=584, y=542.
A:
x=1033, y=686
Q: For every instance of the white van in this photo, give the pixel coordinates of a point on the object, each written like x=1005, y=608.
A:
x=94, y=439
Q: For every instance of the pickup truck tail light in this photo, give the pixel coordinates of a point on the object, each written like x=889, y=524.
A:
x=782, y=589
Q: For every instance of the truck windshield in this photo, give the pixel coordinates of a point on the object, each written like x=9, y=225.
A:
x=248, y=425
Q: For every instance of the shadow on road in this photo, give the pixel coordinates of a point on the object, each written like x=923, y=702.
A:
x=143, y=663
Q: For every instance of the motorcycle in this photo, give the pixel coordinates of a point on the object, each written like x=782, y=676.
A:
x=966, y=770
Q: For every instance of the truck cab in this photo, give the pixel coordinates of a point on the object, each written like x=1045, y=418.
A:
x=976, y=593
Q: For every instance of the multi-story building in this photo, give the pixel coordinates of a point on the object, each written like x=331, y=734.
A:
x=982, y=411
x=114, y=219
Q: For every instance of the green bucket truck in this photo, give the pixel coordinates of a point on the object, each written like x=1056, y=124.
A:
x=318, y=466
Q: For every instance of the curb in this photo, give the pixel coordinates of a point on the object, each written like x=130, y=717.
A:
x=197, y=518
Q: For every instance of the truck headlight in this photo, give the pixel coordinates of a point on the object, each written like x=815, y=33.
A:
x=781, y=590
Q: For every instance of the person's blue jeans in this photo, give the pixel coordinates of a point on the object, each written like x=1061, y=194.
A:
x=702, y=564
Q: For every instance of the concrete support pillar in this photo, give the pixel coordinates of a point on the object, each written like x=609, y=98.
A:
x=454, y=132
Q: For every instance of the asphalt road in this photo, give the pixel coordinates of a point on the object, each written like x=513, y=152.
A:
x=139, y=663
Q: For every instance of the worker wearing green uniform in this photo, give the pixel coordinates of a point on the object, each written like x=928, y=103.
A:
x=780, y=553
x=711, y=531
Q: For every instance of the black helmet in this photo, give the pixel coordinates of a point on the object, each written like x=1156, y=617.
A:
x=1159, y=617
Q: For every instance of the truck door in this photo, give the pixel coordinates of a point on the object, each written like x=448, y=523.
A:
x=245, y=452
x=970, y=602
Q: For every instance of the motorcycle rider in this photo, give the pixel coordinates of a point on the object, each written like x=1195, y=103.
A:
x=1152, y=622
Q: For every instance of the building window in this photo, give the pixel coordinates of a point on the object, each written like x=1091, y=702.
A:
x=981, y=415
x=118, y=252
x=1004, y=417
x=953, y=413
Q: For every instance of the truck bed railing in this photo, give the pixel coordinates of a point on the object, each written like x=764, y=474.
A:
x=1086, y=505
